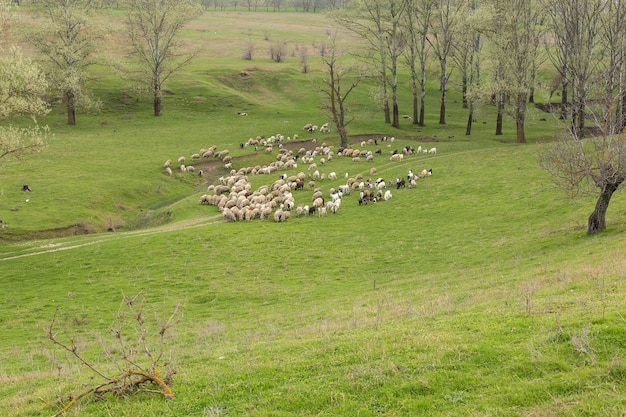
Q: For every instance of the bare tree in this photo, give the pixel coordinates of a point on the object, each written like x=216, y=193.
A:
x=154, y=28
x=417, y=24
x=367, y=19
x=334, y=88
x=580, y=166
x=68, y=41
x=447, y=18
x=473, y=43
x=395, y=43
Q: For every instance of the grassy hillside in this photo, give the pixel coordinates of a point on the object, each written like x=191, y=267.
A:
x=476, y=293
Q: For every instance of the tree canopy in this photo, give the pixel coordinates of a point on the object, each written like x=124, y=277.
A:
x=22, y=88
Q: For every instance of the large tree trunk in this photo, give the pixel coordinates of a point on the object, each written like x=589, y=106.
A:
x=422, y=94
x=520, y=117
x=465, y=102
x=344, y=137
x=500, y=115
x=597, y=220
x=470, y=119
x=386, y=110
x=157, y=105
x=396, y=115
x=157, y=100
x=71, y=108
x=414, y=94
x=444, y=89
x=564, y=100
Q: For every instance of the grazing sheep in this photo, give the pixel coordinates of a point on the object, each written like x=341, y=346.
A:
x=242, y=113
x=167, y=163
x=425, y=172
x=265, y=212
x=432, y=150
x=397, y=157
x=168, y=171
x=229, y=214
x=387, y=195
x=318, y=202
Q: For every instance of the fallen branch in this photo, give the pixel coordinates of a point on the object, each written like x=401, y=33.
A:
x=132, y=377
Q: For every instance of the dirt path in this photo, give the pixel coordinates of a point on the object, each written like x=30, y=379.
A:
x=94, y=239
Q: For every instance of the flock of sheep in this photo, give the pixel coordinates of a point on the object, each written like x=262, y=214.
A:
x=236, y=199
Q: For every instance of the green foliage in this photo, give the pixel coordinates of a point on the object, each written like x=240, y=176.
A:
x=476, y=293
x=22, y=91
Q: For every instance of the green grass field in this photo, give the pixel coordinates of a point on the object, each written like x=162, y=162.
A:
x=477, y=293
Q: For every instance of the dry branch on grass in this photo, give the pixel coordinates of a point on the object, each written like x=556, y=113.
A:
x=134, y=348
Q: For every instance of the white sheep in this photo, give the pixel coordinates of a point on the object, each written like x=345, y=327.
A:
x=387, y=195
x=432, y=150
x=229, y=214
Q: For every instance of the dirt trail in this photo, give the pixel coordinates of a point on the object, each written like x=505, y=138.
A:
x=95, y=239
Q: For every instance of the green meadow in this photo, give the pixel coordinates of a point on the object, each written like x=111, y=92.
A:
x=476, y=293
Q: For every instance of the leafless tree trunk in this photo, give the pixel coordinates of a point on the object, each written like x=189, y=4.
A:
x=473, y=80
x=153, y=28
x=397, y=10
x=417, y=24
x=448, y=15
x=368, y=19
x=334, y=89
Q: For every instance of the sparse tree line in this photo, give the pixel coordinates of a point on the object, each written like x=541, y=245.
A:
x=496, y=52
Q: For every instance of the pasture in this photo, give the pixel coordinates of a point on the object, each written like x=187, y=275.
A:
x=475, y=293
